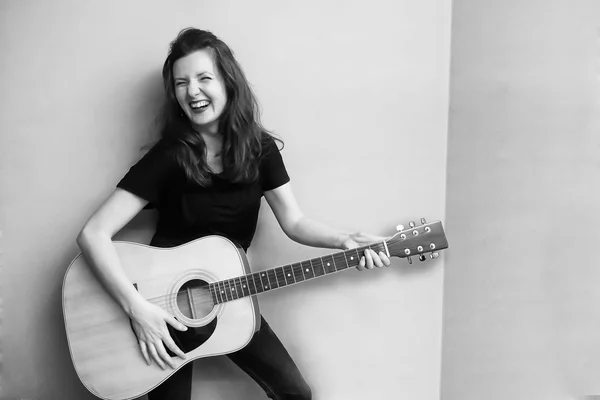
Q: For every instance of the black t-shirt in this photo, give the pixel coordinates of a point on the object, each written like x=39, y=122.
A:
x=187, y=211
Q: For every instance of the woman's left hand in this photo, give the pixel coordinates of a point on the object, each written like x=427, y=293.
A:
x=370, y=259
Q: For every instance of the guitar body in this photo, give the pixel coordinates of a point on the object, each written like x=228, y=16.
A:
x=208, y=286
x=103, y=347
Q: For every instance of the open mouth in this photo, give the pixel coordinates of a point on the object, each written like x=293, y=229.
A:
x=199, y=106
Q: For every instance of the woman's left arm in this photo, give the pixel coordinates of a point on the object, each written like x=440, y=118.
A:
x=313, y=233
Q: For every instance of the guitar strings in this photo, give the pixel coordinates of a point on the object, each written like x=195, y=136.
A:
x=208, y=292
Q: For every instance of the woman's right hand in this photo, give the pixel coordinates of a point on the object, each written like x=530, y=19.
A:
x=150, y=326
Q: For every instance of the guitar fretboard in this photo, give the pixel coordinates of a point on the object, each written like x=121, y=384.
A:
x=263, y=281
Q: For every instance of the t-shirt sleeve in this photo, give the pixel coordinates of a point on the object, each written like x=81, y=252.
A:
x=273, y=172
x=149, y=177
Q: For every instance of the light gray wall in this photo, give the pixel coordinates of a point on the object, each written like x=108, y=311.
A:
x=359, y=93
x=521, y=301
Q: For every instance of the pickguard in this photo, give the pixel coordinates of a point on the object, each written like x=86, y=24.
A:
x=192, y=338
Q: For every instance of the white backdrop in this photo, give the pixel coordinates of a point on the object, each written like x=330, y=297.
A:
x=521, y=304
x=359, y=94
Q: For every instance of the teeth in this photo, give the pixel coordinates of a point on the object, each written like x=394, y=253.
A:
x=198, y=104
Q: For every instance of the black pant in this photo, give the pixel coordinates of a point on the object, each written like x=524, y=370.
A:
x=264, y=359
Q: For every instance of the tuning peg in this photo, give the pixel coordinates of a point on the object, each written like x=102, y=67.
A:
x=434, y=255
x=409, y=260
x=423, y=222
x=411, y=224
x=422, y=257
x=399, y=228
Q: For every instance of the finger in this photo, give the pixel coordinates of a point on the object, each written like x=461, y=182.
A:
x=164, y=355
x=175, y=324
x=369, y=259
x=349, y=244
x=361, y=264
x=376, y=260
x=144, y=351
x=155, y=356
x=385, y=259
x=173, y=347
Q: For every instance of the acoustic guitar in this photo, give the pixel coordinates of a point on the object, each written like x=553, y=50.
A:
x=208, y=286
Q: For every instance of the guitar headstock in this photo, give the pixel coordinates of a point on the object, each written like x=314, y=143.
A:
x=427, y=238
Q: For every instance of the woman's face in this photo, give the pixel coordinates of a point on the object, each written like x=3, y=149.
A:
x=200, y=90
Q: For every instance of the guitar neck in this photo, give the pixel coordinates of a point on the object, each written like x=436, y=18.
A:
x=275, y=278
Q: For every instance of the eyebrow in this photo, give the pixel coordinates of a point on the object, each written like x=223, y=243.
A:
x=201, y=73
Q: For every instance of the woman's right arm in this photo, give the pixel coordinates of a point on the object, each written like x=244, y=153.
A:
x=95, y=241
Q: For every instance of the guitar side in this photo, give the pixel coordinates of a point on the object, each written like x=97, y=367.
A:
x=102, y=344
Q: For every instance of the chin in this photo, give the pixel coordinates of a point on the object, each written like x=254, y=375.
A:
x=204, y=124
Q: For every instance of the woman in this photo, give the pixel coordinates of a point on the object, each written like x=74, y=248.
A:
x=206, y=176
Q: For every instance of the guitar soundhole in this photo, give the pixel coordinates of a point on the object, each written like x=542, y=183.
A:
x=194, y=299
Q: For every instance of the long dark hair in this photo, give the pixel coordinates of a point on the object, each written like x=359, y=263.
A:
x=239, y=123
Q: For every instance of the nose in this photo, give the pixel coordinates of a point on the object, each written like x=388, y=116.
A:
x=193, y=88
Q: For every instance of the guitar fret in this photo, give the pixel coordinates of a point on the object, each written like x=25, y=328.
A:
x=231, y=288
x=280, y=276
x=289, y=274
x=272, y=278
x=297, y=272
x=257, y=285
x=345, y=258
x=239, y=292
x=343, y=262
x=284, y=275
x=327, y=266
x=264, y=286
x=254, y=284
x=268, y=280
x=218, y=291
x=302, y=270
x=319, y=264
x=357, y=260
x=224, y=290
x=245, y=288
x=387, y=251
x=340, y=259
x=215, y=294
x=215, y=299
x=230, y=292
x=308, y=270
